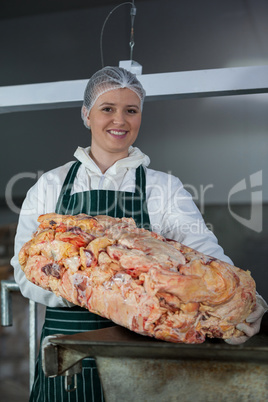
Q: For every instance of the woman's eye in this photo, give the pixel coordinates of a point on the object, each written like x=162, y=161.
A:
x=132, y=111
x=107, y=109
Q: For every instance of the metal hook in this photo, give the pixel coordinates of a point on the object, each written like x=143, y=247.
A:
x=68, y=381
x=131, y=44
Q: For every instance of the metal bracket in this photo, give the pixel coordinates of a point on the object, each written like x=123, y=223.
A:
x=7, y=287
x=52, y=355
x=59, y=360
x=71, y=377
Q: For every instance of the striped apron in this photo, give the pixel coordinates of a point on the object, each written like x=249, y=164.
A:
x=76, y=319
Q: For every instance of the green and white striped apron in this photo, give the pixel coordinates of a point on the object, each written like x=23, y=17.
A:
x=73, y=320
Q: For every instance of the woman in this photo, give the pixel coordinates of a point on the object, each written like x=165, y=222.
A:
x=109, y=177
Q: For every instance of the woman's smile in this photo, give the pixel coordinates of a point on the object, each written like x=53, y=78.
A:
x=117, y=133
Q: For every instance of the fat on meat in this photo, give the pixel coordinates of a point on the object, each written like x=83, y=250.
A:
x=137, y=278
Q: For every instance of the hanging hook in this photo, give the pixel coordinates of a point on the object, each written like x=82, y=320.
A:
x=131, y=44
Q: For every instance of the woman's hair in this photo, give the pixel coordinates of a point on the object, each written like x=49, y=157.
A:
x=107, y=79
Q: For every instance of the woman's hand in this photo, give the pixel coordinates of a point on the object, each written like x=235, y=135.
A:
x=254, y=323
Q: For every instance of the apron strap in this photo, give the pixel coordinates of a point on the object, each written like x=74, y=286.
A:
x=140, y=181
x=139, y=204
x=67, y=185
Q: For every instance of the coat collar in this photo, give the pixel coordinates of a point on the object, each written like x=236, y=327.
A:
x=135, y=158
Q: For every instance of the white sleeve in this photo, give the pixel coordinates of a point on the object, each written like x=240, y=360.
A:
x=35, y=204
x=179, y=218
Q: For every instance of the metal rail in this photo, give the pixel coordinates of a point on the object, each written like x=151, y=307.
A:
x=8, y=286
x=161, y=86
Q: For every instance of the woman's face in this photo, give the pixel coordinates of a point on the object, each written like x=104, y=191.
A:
x=115, y=119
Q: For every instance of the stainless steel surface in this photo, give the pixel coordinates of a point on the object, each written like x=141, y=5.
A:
x=154, y=380
x=174, y=85
x=120, y=342
x=145, y=369
x=7, y=287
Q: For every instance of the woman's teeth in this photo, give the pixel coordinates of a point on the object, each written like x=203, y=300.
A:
x=117, y=132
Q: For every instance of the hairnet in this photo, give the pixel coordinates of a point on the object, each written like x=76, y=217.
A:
x=107, y=79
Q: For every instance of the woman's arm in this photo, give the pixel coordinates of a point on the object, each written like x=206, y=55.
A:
x=40, y=199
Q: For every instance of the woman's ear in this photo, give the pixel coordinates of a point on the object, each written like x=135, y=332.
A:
x=86, y=116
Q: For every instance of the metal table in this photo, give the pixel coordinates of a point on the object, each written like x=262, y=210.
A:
x=137, y=368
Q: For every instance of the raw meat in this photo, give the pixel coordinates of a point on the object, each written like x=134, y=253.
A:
x=137, y=278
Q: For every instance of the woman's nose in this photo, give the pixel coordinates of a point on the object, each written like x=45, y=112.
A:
x=119, y=118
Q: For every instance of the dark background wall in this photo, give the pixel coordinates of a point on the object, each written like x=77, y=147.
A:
x=212, y=142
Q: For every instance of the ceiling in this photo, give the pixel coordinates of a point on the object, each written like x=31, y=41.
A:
x=20, y=8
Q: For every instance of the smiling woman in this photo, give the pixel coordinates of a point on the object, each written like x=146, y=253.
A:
x=111, y=178
x=112, y=107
